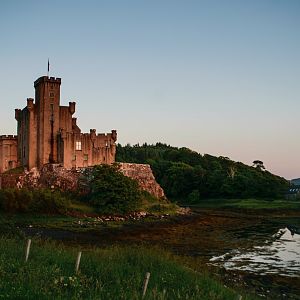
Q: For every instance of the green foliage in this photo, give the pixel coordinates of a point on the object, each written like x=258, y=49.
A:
x=112, y=192
x=253, y=205
x=39, y=200
x=194, y=197
x=189, y=176
x=112, y=273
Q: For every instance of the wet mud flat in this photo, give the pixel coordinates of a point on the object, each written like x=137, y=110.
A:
x=214, y=240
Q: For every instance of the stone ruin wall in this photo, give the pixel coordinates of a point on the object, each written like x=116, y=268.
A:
x=56, y=176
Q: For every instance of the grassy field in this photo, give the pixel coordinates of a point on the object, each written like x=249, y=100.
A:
x=111, y=273
x=255, y=204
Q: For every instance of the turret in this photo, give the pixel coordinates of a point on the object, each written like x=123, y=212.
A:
x=114, y=135
x=30, y=104
x=93, y=134
x=18, y=114
x=72, y=107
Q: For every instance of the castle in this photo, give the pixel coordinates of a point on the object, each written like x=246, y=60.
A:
x=48, y=133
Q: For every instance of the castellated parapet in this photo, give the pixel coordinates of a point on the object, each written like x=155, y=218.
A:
x=48, y=133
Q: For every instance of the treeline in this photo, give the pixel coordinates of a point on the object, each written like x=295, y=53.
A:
x=188, y=176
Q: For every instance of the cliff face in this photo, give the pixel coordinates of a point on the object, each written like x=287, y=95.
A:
x=143, y=174
x=56, y=176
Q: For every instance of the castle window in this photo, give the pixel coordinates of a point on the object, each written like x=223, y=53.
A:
x=74, y=157
x=78, y=146
x=52, y=95
x=85, y=157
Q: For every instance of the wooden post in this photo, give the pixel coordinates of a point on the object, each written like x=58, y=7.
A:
x=27, y=250
x=78, y=262
x=146, y=281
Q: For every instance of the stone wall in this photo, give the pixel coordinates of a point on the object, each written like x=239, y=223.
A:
x=8, y=152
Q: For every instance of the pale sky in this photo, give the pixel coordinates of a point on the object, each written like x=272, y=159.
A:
x=220, y=77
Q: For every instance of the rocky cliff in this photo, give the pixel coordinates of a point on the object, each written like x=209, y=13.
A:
x=56, y=176
x=143, y=174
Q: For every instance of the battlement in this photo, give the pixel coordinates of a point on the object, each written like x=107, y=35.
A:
x=103, y=134
x=8, y=137
x=47, y=79
x=93, y=133
x=112, y=135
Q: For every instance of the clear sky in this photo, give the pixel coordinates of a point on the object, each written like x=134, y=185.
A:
x=220, y=77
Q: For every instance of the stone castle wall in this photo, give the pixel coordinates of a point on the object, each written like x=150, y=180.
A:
x=8, y=152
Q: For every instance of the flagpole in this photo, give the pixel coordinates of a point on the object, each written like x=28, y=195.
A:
x=48, y=68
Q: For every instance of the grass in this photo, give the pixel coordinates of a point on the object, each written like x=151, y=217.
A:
x=255, y=204
x=111, y=273
x=81, y=223
x=81, y=207
x=157, y=206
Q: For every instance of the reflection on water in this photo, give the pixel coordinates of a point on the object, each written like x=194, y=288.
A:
x=280, y=255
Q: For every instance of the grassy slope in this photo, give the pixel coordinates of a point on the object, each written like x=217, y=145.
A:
x=113, y=273
x=250, y=204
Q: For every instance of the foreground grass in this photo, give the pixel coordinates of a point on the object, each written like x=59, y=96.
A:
x=112, y=273
x=254, y=204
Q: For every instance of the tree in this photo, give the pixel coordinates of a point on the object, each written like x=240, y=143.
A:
x=181, y=171
x=258, y=164
x=111, y=191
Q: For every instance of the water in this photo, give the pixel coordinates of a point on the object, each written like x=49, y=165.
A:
x=280, y=255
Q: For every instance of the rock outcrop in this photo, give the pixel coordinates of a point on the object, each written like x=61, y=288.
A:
x=58, y=177
x=143, y=174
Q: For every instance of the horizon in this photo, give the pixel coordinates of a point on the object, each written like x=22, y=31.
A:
x=218, y=78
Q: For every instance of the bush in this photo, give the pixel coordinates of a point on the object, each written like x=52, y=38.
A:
x=42, y=200
x=194, y=197
x=49, y=201
x=112, y=192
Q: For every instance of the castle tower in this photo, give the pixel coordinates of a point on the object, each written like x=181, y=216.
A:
x=47, y=97
x=48, y=133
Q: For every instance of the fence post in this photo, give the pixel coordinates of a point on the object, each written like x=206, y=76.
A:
x=78, y=262
x=146, y=281
x=27, y=250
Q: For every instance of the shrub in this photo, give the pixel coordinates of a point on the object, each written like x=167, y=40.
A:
x=49, y=201
x=194, y=197
x=111, y=191
x=42, y=200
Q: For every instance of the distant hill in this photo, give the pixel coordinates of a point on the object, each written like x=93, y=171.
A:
x=188, y=176
x=295, y=181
